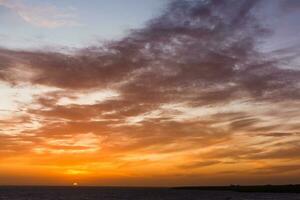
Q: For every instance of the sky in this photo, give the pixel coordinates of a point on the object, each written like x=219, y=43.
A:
x=149, y=92
x=71, y=23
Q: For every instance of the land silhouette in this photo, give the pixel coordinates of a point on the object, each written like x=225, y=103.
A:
x=252, y=188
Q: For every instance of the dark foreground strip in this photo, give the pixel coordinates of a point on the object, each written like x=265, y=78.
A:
x=237, y=188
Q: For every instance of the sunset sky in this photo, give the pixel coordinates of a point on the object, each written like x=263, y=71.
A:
x=149, y=92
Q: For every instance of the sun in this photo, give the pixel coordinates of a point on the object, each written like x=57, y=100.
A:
x=75, y=184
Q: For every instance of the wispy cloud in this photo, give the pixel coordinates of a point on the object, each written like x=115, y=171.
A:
x=47, y=16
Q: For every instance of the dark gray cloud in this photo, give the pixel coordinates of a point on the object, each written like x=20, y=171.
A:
x=290, y=5
x=197, y=51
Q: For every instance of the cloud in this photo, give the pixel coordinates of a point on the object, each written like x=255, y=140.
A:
x=200, y=164
x=189, y=89
x=290, y=5
x=279, y=169
x=46, y=16
x=222, y=61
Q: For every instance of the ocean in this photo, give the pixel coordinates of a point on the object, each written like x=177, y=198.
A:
x=115, y=193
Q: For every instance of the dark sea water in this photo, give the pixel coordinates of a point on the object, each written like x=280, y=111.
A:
x=100, y=193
